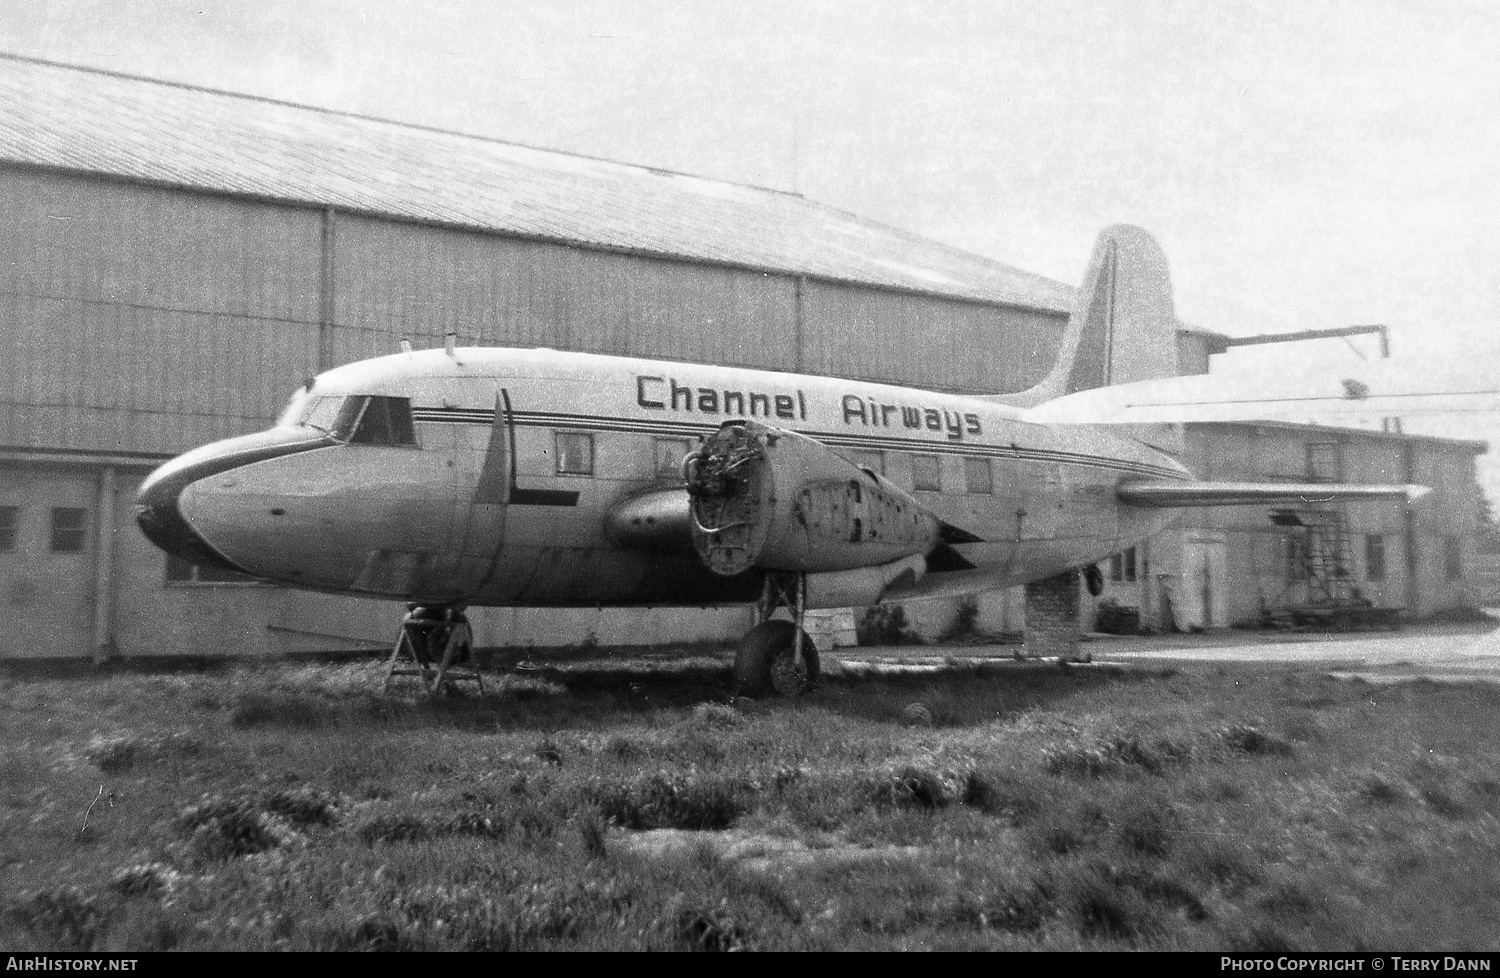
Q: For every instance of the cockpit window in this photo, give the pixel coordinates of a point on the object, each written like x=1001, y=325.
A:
x=332, y=415
x=385, y=421
x=291, y=415
x=360, y=420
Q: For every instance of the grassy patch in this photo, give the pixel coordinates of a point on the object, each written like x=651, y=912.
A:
x=600, y=803
x=228, y=826
x=117, y=754
x=672, y=799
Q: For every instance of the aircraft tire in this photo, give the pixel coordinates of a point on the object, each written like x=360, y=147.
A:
x=1093, y=579
x=764, y=666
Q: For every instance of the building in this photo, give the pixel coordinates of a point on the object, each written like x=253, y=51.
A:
x=176, y=260
x=1244, y=566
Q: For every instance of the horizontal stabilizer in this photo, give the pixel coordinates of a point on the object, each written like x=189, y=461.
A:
x=1171, y=495
x=1365, y=392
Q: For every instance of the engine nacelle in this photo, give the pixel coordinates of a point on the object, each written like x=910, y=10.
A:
x=771, y=498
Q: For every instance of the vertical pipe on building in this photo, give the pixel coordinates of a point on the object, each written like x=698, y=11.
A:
x=798, y=330
x=104, y=567
x=1387, y=424
x=325, y=294
x=1409, y=531
x=1149, y=620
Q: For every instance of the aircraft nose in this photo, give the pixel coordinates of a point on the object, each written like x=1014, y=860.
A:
x=160, y=518
x=158, y=503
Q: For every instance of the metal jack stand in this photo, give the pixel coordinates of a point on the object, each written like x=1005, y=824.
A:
x=437, y=645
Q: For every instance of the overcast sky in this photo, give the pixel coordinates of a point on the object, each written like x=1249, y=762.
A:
x=1304, y=164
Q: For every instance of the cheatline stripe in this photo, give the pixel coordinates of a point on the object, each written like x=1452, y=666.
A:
x=526, y=420
x=538, y=419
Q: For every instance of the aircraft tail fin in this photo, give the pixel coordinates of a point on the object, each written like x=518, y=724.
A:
x=1123, y=327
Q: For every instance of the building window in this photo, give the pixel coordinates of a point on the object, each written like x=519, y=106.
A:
x=979, y=476
x=1374, y=557
x=1453, y=558
x=669, y=455
x=69, y=529
x=575, y=453
x=10, y=516
x=1323, y=462
x=874, y=461
x=1122, y=566
x=1296, y=556
x=180, y=571
x=926, y=473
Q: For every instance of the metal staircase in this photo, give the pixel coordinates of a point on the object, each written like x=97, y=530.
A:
x=1321, y=589
x=1327, y=564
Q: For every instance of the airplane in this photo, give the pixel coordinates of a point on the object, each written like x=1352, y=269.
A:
x=460, y=477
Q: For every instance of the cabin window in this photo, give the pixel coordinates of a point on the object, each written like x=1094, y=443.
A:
x=180, y=571
x=874, y=461
x=1453, y=559
x=926, y=473
x=69, y=529
x=575, y=453
x=979, y=476
x=10, y=516
x=669, y=455
x=1374, y=557
x=384, y=421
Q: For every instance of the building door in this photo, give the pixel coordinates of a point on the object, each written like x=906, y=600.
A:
x=47, y=568
x=1201, y=595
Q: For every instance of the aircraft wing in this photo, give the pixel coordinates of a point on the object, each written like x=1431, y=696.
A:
x=1369, y=391
x=1173, y=494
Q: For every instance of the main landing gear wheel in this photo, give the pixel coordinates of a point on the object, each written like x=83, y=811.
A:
x=766, y=661
x=1093, y=579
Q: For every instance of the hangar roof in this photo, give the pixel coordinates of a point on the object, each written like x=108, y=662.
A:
x=1341, y=432
x=92, y=121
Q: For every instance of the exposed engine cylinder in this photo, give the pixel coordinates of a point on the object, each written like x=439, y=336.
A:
x=771, y=498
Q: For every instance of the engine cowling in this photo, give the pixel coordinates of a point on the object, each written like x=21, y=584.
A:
x=771, y=498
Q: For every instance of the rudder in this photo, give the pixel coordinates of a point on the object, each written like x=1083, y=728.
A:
x=1123, y=327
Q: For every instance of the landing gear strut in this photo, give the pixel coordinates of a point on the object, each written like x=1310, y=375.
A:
x=436, y=645
x=777, y=656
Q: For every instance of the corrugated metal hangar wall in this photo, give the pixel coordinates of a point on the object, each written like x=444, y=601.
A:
x=145, y=321
x=152, y=320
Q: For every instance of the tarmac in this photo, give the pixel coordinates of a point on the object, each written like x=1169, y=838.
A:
x=1444, y=653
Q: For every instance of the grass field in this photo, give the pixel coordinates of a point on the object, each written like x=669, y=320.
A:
x=612, y=803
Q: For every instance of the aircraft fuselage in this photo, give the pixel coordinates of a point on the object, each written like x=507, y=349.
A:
x=538, y=478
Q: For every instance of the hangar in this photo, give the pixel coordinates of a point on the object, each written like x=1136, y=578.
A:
x=176, y=260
